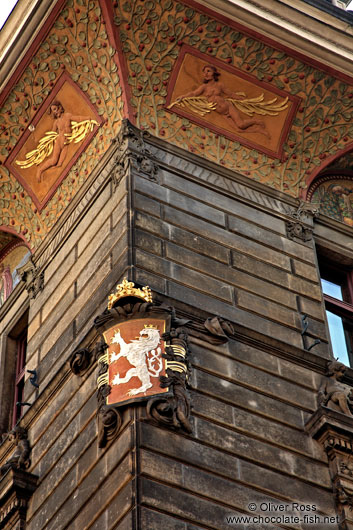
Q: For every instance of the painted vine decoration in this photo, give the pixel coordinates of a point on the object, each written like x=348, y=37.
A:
x=152, y=34
x=77, y=43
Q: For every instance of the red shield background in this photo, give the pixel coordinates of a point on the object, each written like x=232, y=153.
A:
x=131, y=330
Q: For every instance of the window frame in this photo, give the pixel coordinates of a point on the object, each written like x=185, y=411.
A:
x=342, y=276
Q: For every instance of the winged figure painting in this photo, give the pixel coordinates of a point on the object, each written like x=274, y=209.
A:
x=212, y=95
x=53, y=146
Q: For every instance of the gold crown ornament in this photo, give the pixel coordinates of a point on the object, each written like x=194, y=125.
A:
x=125, y=289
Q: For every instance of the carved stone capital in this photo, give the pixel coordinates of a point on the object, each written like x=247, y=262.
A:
x=297, y=230
x=33, y=278
x=132, y=152
x=301, y=224
x=16, y=488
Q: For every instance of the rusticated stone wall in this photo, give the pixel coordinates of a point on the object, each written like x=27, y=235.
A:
x=209, y=243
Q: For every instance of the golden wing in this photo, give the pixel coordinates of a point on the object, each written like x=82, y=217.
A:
x=199, y=105
x=257, y=105
x=79, y=130
x=43, y=150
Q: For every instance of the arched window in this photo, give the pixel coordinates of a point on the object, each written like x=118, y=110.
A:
x=14, y=253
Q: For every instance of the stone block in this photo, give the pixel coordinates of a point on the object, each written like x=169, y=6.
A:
x=277, y=242
x=247, y=398
x=102, y=498
x=156, y=283
x=148, y=242
x=184, y=275
x=50, y=326
x=253, y=378
x=287, y=462
x=54, y=281
x=254, y=425
x=309, y=272
x=234, y=314
x=237, y=278
x=119, y=212
x=267, y=309
x=180, y=201
x=223, y=202
x=116, y=515
x=146, y=204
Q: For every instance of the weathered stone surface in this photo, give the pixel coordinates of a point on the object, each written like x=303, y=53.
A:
x=148, y=242
x=306, y=271
x=257, y=233
x=147, y=205
x=261, y=453
x=253, y=378
x=180, y=201
x=152, y=519
x=223, y=202
x=237, y=278
x=247, y=398
x=184, y=275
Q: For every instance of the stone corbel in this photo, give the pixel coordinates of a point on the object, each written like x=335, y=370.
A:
x=214, y=330
x=132, y=152
x=332, y=426
x=17, y=484
x=301, y=225
x=33, y=278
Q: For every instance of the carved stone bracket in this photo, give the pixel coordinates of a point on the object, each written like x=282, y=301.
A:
x=16, y=484
x=301, y=224
x=132, y=152
x=214, y=330
x=334, y=431
x=16, y=488
x=20, y=459
x=33, y=278
x=81, y=360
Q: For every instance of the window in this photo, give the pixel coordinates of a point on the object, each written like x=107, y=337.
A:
x=12, y=373
x=337, y=286
x=21, y=347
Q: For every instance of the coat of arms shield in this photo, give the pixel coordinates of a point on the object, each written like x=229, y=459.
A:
x=135, y=359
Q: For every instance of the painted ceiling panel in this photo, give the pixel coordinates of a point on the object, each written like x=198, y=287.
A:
x=175, y=69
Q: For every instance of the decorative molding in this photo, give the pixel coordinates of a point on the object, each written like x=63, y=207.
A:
x=132, y=152
x=222, y=180
x=301, y=226
x=16, y=488
x=33, y=278
x=214, y=330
